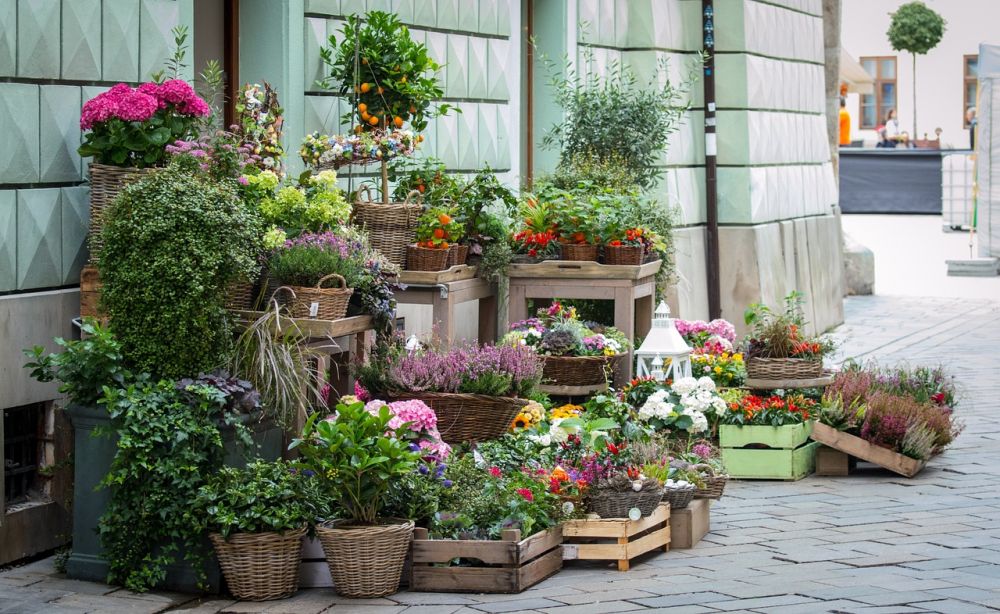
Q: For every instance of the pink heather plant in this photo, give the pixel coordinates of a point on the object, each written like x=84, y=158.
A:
x=131, y=127
x=490, y=370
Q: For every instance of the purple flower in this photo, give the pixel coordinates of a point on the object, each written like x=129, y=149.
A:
x=447, y=483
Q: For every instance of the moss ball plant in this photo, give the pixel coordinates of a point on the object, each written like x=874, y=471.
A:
x=172, y=243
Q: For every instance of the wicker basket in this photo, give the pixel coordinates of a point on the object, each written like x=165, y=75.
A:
x=105, y=183
x=610, y=500
x=468, y=417
x=457, y=255
x=580, y=370
x=578, y=251
x=426, y=259
x=714, y=484
x=321, y=303
x=260, y=566
x=391, y=227
x=678, y=498
x=783, y=368
x=365, y=561
x=239, y=295
x=624, y=254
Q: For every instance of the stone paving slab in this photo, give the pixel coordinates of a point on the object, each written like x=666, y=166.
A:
x=869, y=542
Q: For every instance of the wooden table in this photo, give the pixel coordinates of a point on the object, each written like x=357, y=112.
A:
x=632, y=288
x=445, y=296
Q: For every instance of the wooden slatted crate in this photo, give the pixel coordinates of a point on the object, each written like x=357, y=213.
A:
x=509, y=565
x=610, y=539
x=857, y=447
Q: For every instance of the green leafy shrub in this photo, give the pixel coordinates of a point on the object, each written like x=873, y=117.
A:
x=172, y=243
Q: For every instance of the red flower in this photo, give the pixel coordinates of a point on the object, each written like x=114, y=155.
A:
x=495, y=472
x=938, y=398
x=526, y=493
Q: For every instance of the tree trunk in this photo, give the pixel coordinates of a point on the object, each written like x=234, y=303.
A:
x=913, y=136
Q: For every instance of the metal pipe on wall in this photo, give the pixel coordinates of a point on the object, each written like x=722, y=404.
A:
x=711, y=163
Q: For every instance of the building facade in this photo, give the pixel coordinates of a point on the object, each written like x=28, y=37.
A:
x=946, y=76
x=779, y=228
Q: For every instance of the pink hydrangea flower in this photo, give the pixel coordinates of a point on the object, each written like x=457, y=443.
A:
x=174, y=91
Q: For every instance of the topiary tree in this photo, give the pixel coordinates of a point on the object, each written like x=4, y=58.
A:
x=917, y=29
x=172, y=243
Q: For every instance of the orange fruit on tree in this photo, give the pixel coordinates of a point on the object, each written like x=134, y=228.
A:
x=373, y=120
x=444, y=245
x=398, y=121
x=366, y=87
x=439, y=233
x=362, y=107
x=420, y=138
x=444, y=218
x=365, y=115
x=380, y=90
x=413, y=109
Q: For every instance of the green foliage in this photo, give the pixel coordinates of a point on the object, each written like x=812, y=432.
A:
x=497, y=257
x=262, y=497
x=584, y=170
x=169, y=444
x=172, y=242
x=417, y=496
x=359, y=456
x=437, y=228
x=915, y=28
x=377, y=64
x=175, y=63
x=305, y=265
x=616, y=116
x=313, y=205
x=85, y=366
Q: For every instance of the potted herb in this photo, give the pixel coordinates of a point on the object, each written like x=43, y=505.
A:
x=437, y=235
x=777, y=347
x=360, y=458
x=305, y=264
x=256, y=517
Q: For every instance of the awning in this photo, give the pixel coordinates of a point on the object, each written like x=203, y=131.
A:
x=852, y=74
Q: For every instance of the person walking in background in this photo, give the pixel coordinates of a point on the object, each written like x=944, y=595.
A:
x=845, y=123
x=890, y=133
x=970, y=118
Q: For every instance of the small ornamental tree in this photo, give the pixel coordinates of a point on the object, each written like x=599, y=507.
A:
x=917, y=29
x=390, y=78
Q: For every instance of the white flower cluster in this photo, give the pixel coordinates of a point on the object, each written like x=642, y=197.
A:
x=699, y=395
x=658, y=405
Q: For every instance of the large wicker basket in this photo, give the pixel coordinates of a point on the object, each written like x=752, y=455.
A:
x=714, y=484
x=624, y=254
x=580, y=370
x=321, y=303
x=105, y=183
x=457, y=254
x=678, y=498
x=391, y=227
x=260, y=566
x=426, y=258
x=611, y=502
x=468, y=417
x=365, y=561
x=239, y=295
x=783, y=368
x=578, y=252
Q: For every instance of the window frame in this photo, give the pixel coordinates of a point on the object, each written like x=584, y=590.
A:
x=879, y=81
x=966, y=79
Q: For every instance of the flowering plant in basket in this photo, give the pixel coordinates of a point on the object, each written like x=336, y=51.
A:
x=557, y=331
x=780, y=334
x=749, y=409
x=259, y=120
x=538, y=237
x=438, y=229
x=487, y=370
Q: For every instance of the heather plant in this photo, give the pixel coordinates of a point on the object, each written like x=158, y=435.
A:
x=918, y=442
x=887, y=419
x=850, y=386
x=492, y=370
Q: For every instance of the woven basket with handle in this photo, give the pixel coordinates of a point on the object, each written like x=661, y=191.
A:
x=391, y=227
x=580, y=370
x=260, y=566
x=426, y=259
x=578, y=252
x=613, y=502
x=365, y=561
x=457, y=254
x=783, y=368
x=468, y=417
x=321, y=303
x=106, y=182
x=624, y=254
x=714, y=483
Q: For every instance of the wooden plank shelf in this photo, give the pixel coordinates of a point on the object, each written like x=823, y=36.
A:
x=509, y=565
x=458, y=272
x=314, y=329
x=859, y=448
x=773, y=384
x=614, y=539
x=574, y=269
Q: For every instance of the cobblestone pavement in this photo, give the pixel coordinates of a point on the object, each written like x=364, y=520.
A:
x=870, y=542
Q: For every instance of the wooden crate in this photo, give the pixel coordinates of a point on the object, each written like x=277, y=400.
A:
x=509, y=565
x=832, y=462
x=604, y=539
x=774, y=464
x=788, y=436
x=855, y=446
x=688, y=525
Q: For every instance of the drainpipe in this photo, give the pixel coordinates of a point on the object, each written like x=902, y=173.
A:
x=711, y=163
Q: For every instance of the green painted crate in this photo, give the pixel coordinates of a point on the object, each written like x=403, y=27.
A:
x=774, y=464
x=789, y=436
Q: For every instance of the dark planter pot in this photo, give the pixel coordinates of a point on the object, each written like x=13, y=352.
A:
x=92, y=459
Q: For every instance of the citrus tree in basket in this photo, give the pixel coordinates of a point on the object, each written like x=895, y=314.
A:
x=389, y=78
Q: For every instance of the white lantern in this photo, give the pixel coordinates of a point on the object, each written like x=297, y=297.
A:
x=663, y=345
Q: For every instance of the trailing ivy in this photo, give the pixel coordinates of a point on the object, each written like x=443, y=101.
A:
x=172, y=243
x=169, y=444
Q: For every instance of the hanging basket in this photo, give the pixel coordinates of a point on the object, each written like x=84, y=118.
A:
x=321, y=303
x=678, y=498
x=578, y=252
x=457, y=254
x=580, y=370
x=783, y=368
x=365, y=561
x=106, y=182
x=426, y=259
x=391, y=227
x=260, y=566
x=624, y=254
x=468, y=417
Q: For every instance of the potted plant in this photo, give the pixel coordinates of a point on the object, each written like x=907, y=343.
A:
x=538, y=238
x=437, y=234
x=577, y=231
x=777, y=347
x=767, y=437
x=256, y=518
x=305, y=264
x=360, y=458
x=574, y=353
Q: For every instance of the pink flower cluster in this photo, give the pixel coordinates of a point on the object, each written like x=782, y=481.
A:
x=141, y=104
x=718, y=327
x=422, y=421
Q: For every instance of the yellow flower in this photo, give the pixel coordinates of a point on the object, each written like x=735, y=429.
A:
x=738, y=357
x=718, y=370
